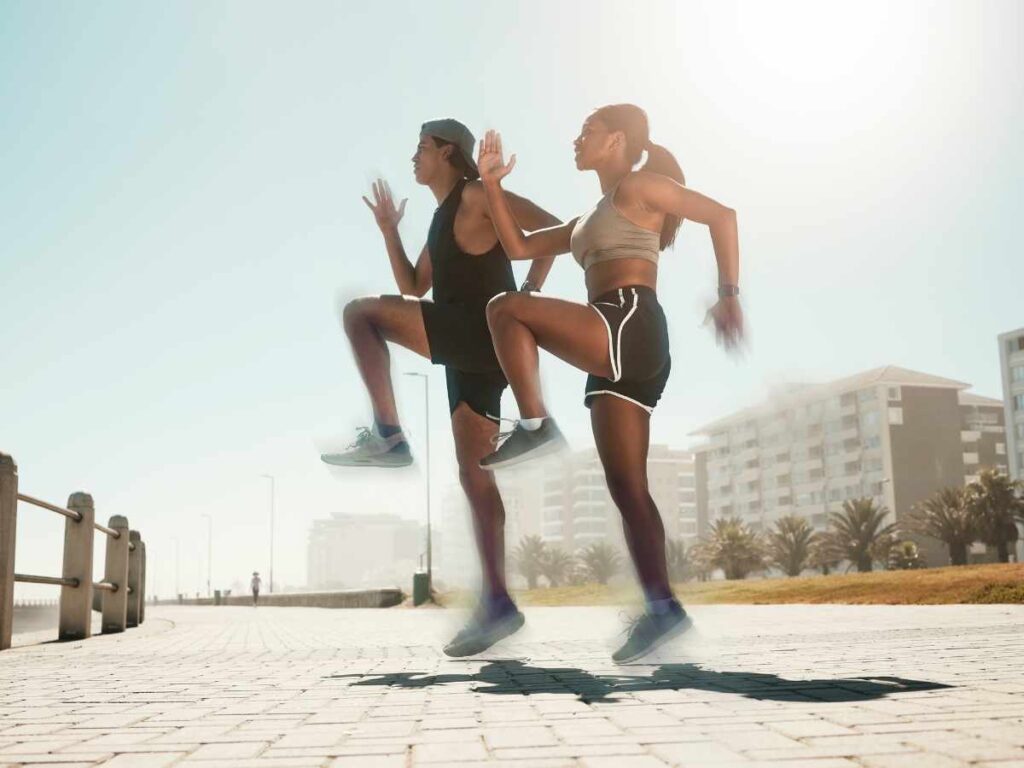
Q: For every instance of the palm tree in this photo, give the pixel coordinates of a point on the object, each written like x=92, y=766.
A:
x=734, y=548
x=600, y=561
x=946, y=516
x=555, y=566
x=825, y=554
x=904, y=556
x=529, y=558
x=996, y=504
x=789, y=544
x=679, y=566
x=857, y=529
x=699, y=555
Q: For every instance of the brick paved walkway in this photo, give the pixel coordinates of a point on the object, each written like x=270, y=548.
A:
x=781, y=686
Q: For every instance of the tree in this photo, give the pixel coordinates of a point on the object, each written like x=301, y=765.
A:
x=600, y=561
x=825, y=553
x=700, y=556
x=883, y=548
x=555, y=566
x=946, y=516
x=789, y=544
x=529, y=558
x=734, y=548
x=996, y=504
x=857, y=530
x=679, y=566
x=904, y=556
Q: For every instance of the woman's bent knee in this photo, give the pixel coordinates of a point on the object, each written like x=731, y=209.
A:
x=501, y=306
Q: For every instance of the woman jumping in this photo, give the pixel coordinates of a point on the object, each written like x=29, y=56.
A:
x=620, y=338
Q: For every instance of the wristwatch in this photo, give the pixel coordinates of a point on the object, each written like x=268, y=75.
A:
x=726, y=289
x=528, y=286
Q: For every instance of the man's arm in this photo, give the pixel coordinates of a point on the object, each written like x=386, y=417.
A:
x=411, y=280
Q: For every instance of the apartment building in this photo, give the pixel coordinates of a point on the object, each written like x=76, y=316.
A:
x=362, y=550
x=1011, y=359
x=891, y=434
x=576, y=508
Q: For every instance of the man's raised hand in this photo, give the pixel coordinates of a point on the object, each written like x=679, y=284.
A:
x=490, y=162
x=383, y=207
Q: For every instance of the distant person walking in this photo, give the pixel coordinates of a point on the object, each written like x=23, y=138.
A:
x=254, y=585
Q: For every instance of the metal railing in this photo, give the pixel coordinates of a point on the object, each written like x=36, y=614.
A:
x=121, y=594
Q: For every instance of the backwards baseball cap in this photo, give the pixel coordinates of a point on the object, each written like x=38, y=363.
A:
x=455, y=132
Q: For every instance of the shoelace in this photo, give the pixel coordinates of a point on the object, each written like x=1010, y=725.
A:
x=631, y=622
x=363, y=437
x=501, y=437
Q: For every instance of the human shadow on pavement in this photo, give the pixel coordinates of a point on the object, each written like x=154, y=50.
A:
x=513, y=677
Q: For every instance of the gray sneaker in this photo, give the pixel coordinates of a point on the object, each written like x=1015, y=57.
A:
x=372, y=450
x=650, y=631
x=482, y=632
x=521, y=445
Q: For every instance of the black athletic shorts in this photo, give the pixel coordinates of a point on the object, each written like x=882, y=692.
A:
x=460, y=340
x=637, y=345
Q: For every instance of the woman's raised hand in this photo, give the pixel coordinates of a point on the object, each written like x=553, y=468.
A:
x=383, y=207
x=490, y=161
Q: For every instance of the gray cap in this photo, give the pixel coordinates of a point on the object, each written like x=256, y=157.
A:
x=452, y=130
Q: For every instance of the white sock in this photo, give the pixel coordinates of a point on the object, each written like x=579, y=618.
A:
x=531, y=424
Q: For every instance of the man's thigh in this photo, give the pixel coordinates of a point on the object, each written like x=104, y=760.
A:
x=399, y=319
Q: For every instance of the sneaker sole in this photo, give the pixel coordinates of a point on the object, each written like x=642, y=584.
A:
x=366, y=463
x=508, y=629
x=672, y=634
x=553, y=446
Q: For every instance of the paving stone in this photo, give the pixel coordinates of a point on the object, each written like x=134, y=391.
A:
x=758, y=686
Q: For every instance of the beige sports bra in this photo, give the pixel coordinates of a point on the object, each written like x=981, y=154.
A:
x=603, y=234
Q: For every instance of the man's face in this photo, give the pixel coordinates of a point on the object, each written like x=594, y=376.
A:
x=428, y=160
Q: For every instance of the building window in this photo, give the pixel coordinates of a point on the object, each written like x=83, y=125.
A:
x=1017, y=373
x=1018, y=402
x=895, y=415
x=866, y=395
x=1019, y=429
x=894, y=394
x=1000, y=449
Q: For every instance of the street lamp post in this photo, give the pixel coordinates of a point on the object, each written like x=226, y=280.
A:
x=426, y=411
x=209, y=553
x=272, y=494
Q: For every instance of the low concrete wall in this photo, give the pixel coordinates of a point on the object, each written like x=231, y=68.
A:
x=355, y=598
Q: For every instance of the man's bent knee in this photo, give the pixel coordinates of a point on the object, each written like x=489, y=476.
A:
x=358, y=310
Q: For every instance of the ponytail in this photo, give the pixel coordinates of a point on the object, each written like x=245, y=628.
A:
x=660, y=160
x=632, y=121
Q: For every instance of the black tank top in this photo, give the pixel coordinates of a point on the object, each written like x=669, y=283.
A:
x=461, y=278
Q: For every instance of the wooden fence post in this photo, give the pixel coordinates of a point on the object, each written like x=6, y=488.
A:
x=134, y=578
x=115, y=604
x=8, y=528
x=142, y=585
x=76, y=602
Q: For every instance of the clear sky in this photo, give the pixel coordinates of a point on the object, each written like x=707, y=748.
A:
x=180, y=215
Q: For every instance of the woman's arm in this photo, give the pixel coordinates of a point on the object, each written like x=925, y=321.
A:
x=411, y=280
x=660, y=193
x=532, y=217
x=537, y=245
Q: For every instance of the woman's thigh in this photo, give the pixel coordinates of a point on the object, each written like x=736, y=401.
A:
x=570, y=331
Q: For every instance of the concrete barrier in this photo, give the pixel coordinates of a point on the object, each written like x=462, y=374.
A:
x=354, y=598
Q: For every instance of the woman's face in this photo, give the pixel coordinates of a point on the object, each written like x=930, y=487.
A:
x=593, y=145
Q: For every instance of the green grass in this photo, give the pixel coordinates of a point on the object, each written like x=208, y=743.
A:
x=991, y=583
